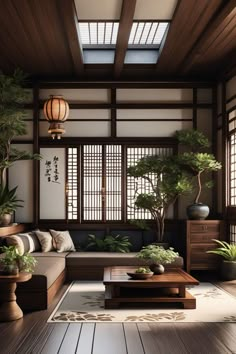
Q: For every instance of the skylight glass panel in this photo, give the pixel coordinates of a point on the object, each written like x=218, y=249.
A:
x=147, y=34
x=160, y=33
x=98, y=33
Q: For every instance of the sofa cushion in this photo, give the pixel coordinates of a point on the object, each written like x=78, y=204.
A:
x=134, y=236
x=46, y=272
x=31, y=242
x=62, y=241
x=45, y=239
x=16, y=241
x=106, y=259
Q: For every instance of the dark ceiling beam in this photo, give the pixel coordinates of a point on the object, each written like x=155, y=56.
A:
x=189, y=20
x=126, y=21
x=213, y=29
x=70, y=22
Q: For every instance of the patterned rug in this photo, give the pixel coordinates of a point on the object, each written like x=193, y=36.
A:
x=84, y=302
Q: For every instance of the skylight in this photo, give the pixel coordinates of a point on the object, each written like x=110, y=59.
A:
x=98, y=34
x=147, y=34
x=103, y=35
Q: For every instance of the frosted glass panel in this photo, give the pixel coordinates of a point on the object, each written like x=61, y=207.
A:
x=78, y=95
x=154, y=114
x=21, y=175
x=150, y=129
x=154, y=95
x=52, y=183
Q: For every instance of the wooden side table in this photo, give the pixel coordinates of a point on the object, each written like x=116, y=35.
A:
x=9, y=309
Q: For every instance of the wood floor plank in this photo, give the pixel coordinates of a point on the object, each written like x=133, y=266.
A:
x=161, y=338
x=225, y=332
x=85, y=343
x=133, y=340
x=162, y=333
x=53, y=342
x=109, y=338
x=71, y=338
x=197, y=339
x=147, y=337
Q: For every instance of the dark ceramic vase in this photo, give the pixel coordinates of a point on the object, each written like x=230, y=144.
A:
x=197, y=211
x=228, y=270
x=157, y=268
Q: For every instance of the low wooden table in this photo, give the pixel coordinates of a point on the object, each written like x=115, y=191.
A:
x=9, y=309
x=169, y=287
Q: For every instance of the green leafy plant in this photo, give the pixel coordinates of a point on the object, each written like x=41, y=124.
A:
x=12, y=257
x=197, y=163
x=8, y=200
x=12, y=124
x=157, y=254
x=116, y=243
x=227, y=250
x=166, y=180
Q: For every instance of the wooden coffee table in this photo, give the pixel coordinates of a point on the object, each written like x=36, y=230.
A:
x=9, y=309
x=169, y=287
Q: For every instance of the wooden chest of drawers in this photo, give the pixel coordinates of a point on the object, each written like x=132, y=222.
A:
x=199, y=234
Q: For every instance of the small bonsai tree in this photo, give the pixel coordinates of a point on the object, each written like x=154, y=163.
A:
x=166, y=180
x=197, y=163
x=12, y=124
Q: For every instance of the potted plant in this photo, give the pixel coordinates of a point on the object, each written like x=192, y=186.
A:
x=13, y=262
x=228, y=265
x=116, y=243
x=197, y=164
x=8, y=204
x=156, y=256
x=165, y=178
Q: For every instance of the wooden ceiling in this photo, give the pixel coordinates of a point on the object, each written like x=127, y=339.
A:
x=41, y=37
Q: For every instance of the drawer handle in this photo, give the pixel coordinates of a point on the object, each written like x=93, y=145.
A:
x=204, y=227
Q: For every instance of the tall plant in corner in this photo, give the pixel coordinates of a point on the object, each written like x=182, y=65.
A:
x=13, y=95
x=12, y=124
x=197, y=163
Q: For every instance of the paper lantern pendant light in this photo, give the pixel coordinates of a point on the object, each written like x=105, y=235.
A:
x=56, y=111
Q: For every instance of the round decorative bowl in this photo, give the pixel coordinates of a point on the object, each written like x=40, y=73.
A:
x=140, y=276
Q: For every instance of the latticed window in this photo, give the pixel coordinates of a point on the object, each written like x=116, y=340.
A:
x=232, y=157
x=98, y=188
x=138, y=185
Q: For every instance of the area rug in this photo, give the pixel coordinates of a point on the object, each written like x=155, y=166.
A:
x=84, y=302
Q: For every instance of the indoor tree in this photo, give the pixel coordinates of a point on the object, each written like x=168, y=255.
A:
x=195, y=162
x=166, y=180
x=12, y=124
x=12, y=98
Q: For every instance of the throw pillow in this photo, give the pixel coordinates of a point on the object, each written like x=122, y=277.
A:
x=30, y=241
x=15, y=240
x=62, y=241
x=45, y=240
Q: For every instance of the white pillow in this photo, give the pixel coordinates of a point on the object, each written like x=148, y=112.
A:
x=62, y=241
x=45, y=240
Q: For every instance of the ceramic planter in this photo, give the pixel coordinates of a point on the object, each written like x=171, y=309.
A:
x=228, y=270
x=198, y=211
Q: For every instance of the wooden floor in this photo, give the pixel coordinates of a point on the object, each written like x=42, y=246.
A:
x=32, y=334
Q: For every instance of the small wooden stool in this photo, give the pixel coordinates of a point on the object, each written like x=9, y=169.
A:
x=9, y=309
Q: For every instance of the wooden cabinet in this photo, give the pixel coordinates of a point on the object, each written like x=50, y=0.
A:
x=199, y=234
